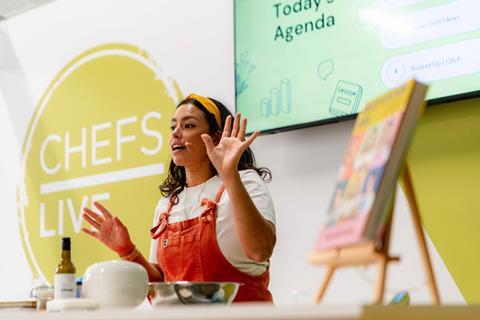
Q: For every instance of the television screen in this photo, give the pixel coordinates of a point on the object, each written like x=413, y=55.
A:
x=301, y=62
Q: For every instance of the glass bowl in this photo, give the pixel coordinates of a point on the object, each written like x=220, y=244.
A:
x=186, y=292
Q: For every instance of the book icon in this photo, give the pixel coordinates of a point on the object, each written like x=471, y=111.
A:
x=346, y=98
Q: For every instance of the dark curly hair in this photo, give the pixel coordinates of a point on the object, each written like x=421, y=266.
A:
x=176, y=179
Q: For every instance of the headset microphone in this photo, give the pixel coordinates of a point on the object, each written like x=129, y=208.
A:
x=188, y=143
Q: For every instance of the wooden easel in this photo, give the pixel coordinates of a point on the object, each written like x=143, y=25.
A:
x=370, y=252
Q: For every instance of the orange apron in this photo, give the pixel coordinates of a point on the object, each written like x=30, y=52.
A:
x=188, y=251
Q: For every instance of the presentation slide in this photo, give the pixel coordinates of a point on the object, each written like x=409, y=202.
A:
x=302, y=62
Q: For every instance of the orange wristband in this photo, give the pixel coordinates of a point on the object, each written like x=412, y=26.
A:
x=131, y=256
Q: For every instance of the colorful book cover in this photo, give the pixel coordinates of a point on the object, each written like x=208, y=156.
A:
x=363, y=167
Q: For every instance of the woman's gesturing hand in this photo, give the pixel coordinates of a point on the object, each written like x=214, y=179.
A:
x=108, y=229
x=226, y=154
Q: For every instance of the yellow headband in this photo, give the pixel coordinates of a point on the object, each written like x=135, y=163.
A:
x=209, y=105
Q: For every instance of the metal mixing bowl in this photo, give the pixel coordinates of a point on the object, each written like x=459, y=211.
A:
x=185, y=292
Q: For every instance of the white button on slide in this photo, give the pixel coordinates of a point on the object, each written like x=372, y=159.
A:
x=397, y=3
x=436, y=22
x=433, y=64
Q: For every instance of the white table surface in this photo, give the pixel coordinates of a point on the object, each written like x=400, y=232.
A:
x=235, y=312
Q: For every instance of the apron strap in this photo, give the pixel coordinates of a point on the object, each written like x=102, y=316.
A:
x=170, y=204
x=219, y=194
x=158, y=229
x=213, y=205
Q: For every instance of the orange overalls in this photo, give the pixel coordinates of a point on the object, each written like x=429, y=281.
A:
x=188, y=251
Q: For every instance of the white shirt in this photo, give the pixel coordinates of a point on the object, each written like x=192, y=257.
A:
x=189, y=207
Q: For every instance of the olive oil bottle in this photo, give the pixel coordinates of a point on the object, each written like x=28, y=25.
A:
x=65, y=285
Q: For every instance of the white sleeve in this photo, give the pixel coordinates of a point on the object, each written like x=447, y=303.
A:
x=258, y=191
x=154, y=243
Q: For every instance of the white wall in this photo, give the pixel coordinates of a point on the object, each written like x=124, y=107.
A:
x=198, y=52
x=15, y=275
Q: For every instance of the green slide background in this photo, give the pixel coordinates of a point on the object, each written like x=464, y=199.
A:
x=353, y=47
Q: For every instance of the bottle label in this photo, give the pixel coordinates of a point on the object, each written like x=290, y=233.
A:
x=65, y=286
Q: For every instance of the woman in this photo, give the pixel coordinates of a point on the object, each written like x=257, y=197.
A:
x=216, y=219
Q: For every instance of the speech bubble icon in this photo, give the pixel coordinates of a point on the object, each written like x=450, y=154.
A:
x=325, y=68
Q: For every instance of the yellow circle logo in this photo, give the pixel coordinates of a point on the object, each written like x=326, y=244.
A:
x=99, y=133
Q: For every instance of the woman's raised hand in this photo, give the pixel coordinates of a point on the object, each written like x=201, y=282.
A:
x=108, y=229
x=226, y=154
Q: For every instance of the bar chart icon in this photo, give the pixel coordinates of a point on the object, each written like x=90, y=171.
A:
x=279, y=101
